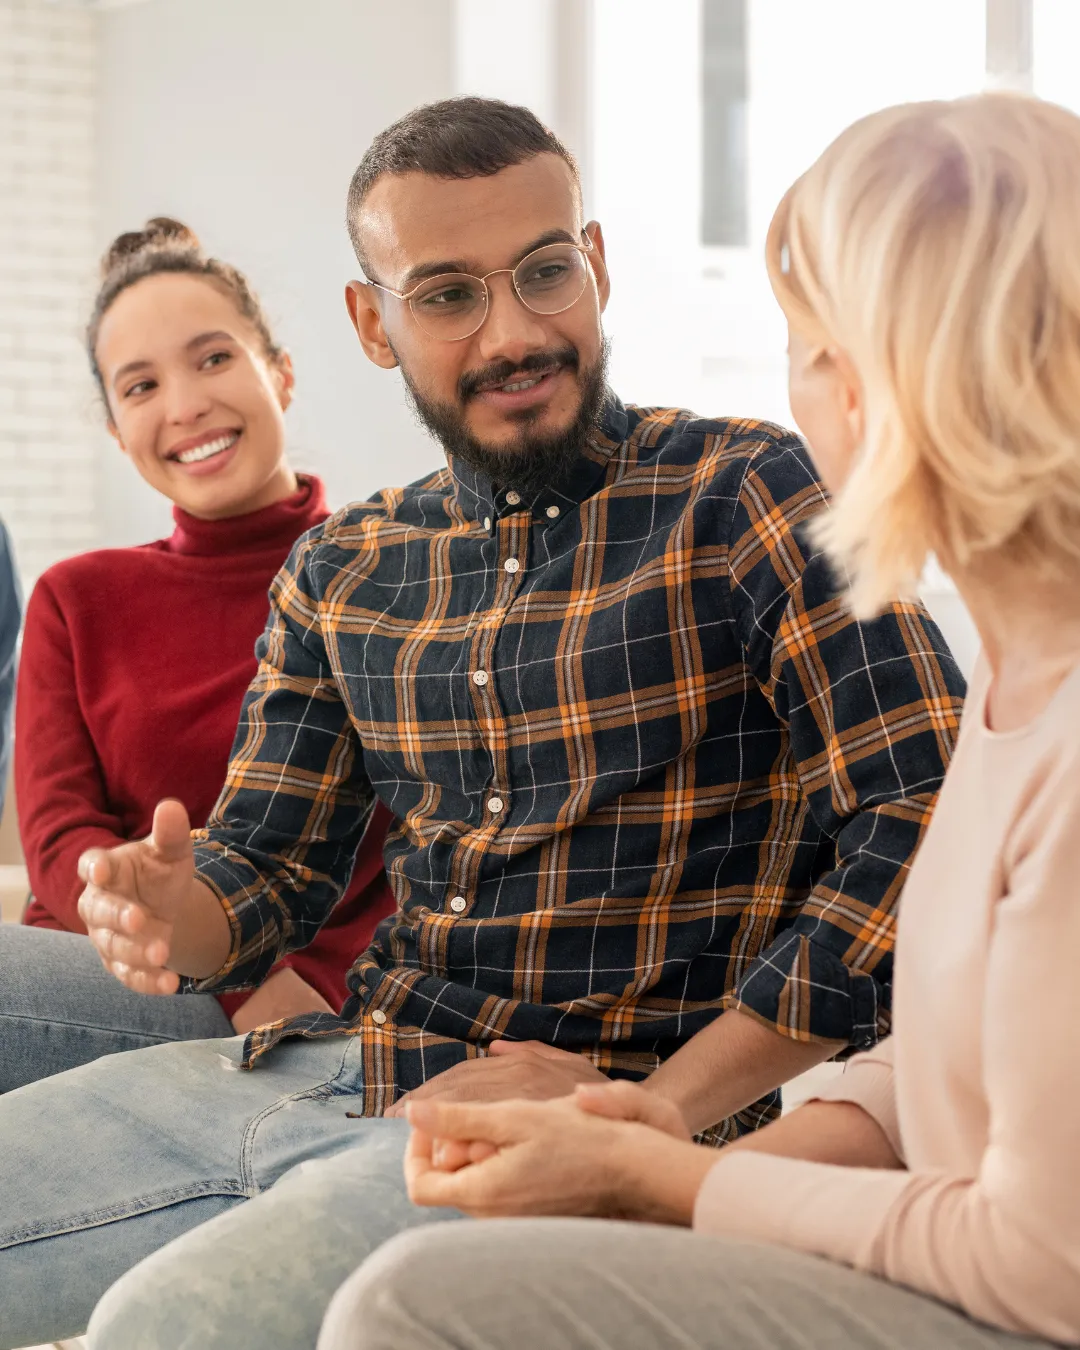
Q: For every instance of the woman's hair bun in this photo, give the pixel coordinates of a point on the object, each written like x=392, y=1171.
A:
x=159, y=232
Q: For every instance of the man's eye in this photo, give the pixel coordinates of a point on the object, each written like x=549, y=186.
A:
x=448, y=297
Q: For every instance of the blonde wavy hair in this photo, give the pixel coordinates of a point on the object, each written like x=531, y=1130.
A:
x=938, y=244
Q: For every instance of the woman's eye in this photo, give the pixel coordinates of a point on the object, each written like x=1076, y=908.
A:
x=217, y=358
x=140, y=387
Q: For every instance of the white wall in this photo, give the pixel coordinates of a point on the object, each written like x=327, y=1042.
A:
x=46, y=259
x=699, y=326
x=245, y=119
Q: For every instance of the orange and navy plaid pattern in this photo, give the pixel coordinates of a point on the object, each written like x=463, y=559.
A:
x=645, y=764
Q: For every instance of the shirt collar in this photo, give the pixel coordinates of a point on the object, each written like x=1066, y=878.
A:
x=478, y=499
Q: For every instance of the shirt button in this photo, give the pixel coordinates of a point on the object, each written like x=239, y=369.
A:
x=459, y=904
x=378, y=1017
x=495, y=805
x=480, y=677
x=513, y=499
x=552, y=512
x=487, y=522
x=511, y=565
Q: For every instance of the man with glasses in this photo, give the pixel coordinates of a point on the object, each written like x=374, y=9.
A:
x=657, y=791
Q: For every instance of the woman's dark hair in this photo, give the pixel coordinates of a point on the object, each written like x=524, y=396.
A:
x=165, y=245
x=466, y=137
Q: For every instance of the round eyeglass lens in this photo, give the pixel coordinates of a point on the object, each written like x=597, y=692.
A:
x=450, y=306
x=551, y=279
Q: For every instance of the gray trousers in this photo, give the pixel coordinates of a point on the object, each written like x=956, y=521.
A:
x=581, y=1284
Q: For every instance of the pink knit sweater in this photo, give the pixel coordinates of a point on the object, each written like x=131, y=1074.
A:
x=979, y=1086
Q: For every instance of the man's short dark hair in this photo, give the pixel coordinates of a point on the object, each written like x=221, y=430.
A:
x=454, y=138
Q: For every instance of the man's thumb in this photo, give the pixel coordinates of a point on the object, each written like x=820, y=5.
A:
x=171, y=832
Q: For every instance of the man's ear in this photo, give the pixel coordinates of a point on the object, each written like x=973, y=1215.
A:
x=366, y=318
x=598, y=262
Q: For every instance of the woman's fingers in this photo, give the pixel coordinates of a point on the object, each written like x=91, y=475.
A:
x=433, y=1188
x=617, y=1101
x=630, y=1101
x=496, y=1122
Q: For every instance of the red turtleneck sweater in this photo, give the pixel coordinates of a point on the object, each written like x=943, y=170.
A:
x=134, y=663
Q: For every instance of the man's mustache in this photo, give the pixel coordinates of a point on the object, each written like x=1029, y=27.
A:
x=499, y=372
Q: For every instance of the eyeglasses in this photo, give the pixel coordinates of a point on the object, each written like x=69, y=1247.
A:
x=453, y=306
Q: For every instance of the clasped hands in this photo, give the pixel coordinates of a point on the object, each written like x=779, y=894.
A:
x=534, y=1130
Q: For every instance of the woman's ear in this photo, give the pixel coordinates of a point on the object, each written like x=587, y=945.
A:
x=111, y=428
x=285, y=379
x=598, y=262
x=361, y=302
x=851, y=392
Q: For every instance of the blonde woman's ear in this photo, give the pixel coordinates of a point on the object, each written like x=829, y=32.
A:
x=851, y=391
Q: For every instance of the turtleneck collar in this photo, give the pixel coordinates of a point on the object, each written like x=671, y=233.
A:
x=276, y=526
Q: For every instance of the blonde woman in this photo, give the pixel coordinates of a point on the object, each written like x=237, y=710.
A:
x=929, y=268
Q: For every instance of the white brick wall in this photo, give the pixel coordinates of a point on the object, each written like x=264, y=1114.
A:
x=49, y=423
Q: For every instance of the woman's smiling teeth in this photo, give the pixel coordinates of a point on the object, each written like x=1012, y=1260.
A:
x=209, y=450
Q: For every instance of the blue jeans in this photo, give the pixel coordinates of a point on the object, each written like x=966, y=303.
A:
x=60, y=1007
x=223, y=1206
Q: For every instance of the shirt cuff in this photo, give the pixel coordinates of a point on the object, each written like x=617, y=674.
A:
x=802, y=989
x=255, y=936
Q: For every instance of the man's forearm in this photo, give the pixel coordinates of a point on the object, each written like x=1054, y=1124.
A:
x=730, y=1064
x=202, y=938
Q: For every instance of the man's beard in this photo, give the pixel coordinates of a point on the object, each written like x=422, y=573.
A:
x=533, y=461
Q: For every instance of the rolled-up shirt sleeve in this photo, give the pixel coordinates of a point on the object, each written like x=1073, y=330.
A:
x=872, y=713
x=279, y=846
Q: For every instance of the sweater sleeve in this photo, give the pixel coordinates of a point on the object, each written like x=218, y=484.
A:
x=10, y=619
x=1003, y=1245
x=63, y=808
x=868, y=1081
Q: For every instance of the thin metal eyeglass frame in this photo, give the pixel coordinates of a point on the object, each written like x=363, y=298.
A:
x=406, y=296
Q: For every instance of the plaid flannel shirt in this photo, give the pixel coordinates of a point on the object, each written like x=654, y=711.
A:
x=646, y=765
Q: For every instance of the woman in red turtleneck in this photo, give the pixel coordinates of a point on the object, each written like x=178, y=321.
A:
x=135, y=660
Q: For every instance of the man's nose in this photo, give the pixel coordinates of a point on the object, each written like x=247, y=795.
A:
x=510, y=332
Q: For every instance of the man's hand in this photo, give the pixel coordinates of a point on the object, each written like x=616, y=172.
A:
x=133, y=898
x=528, y=1070
x=283, y=994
